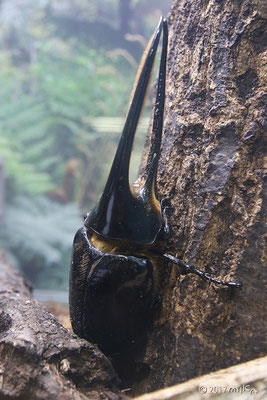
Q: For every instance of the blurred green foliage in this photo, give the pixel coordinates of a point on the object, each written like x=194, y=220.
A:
x=59, y=79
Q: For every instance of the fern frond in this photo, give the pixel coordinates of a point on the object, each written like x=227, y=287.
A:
x=37, y=228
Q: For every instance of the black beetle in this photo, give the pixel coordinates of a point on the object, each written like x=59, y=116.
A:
x=114, y=278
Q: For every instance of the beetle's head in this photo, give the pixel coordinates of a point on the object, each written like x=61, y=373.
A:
x=132, y=212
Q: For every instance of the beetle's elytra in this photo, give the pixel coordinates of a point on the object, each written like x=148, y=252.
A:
x=114, y=269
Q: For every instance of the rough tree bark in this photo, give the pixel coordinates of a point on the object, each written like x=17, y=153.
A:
x=39, y=358
x=211, y=168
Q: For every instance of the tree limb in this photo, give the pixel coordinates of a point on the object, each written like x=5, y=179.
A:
x=243, y=381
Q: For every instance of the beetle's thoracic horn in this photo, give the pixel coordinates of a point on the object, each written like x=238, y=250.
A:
x=150, y=186
x=120, y=213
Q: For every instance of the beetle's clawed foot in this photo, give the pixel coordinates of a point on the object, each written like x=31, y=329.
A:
x=166, y=208
x=190, y=269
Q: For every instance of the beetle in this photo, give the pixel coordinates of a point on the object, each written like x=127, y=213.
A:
x=114, y=277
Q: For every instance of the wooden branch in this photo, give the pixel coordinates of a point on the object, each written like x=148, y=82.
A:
x=39, y=358
x=243, y=381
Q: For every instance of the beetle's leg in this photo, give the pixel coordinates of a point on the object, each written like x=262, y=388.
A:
x=165, y=209
x=190, y=269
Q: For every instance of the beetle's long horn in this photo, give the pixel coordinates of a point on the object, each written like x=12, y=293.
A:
x=150, y=187
x=120, y=167
x=108, y=217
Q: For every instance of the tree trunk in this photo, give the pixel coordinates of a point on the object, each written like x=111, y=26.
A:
x=39, y=358
x=211, y=169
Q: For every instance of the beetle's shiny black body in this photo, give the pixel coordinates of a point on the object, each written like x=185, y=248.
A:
x=114, y=302
x=114, y=278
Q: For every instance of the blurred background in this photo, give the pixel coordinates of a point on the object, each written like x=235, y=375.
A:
x=67, y=68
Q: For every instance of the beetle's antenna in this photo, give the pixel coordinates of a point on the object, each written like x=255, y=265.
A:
x=190, y=269
x=150, y=187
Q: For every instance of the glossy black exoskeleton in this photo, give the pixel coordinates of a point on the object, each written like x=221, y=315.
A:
x=114, y=276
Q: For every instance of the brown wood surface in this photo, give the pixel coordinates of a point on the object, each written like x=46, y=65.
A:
x=247, y=381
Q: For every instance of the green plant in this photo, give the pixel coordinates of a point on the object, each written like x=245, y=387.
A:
x=38, y=233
